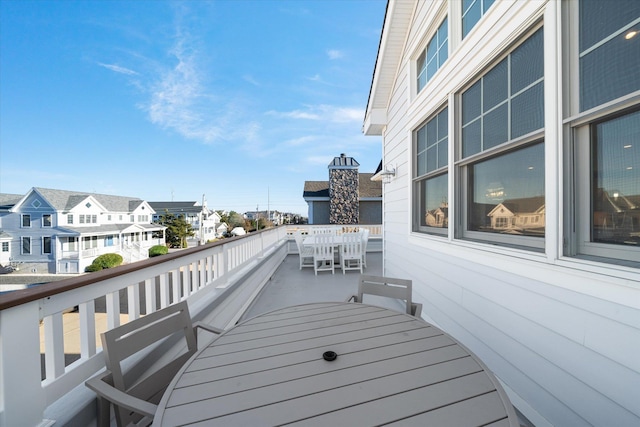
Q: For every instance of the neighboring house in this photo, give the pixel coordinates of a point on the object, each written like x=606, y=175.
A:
x=348, y=197
x=194, y=213
x=523, y=119
x=58, y=231
x=275, y=217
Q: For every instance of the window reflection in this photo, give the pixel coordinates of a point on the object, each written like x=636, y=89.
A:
x=616, y=192
x=435, y=209
x=507, y=193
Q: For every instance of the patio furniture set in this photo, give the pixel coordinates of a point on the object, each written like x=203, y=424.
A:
x=326, y=363
x=326, y=249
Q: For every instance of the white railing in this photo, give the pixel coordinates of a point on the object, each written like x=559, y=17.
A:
x=160, y=281
x=202, y=275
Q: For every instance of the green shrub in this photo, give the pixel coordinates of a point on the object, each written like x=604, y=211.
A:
x=93, y=267
x=158, y=250
x=108, y=260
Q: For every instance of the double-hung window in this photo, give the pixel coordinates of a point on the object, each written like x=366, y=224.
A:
x=606, y=144
x=46, y=244
x=430, y=184
x=472, y=11
x=26, y=221
x=26, y=246
x=502, y=150
x=46, y=220
x=432, y=58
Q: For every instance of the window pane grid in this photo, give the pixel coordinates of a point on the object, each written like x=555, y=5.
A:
x=431, y=184
x=493, y=86
x=433, y=57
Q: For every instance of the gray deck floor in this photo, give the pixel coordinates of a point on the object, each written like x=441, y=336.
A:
x=292, y=286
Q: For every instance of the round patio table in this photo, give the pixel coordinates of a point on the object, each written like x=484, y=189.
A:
x=334, y=364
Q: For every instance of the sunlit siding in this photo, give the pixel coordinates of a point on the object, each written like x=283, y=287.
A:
x=562, y=334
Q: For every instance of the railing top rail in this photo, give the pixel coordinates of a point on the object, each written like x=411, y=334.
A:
x=23, y=296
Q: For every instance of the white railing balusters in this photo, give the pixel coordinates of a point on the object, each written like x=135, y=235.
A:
x=163, y=280
x=54, y=345
x=133, y=301
x=113, y=309
x=87, y=311
x=150, y=295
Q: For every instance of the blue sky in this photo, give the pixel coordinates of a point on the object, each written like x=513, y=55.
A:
x=240, y=100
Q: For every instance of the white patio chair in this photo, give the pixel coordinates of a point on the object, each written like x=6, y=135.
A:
x=323, y=253
x=305, y=252
x=365, y=239
x=135, y=399
x=351, y=252
x=387, y=287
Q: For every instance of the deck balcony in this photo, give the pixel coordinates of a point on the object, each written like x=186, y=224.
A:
x=49, y=335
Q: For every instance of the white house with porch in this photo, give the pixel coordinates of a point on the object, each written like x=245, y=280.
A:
x=59, y=231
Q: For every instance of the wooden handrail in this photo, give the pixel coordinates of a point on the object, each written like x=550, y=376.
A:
x=22, y=296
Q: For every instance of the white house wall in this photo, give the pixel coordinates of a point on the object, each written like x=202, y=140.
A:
x=562, y=334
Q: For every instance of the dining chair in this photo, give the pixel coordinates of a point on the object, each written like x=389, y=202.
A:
x=135, y=397
x=365, y=239
x=387, y=287
x=323, y=253
x=305, y=251
x=351, y=252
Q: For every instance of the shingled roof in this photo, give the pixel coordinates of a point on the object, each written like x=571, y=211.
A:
x=366, y=187
x=64, y=200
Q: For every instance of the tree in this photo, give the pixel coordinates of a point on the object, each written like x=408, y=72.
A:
x=178, y=229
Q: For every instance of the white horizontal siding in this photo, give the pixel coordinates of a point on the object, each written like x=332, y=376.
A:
x=564, y=340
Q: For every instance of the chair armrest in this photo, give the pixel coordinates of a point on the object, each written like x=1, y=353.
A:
x=120, y=398
x=416, y=309
x=352, y=297
x=207, y=327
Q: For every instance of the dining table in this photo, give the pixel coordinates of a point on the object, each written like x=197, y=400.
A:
x=334, y=364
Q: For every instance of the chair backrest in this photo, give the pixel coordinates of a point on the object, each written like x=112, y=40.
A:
x=386, y=287
x=140, y=335
x=352, y=245
x=323, y=246
x=324, y=230
x=299, y=239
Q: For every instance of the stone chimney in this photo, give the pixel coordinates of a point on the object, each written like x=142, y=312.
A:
x=343, y=191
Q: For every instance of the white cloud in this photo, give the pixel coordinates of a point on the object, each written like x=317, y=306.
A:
x=118, y=69
x=335, y=54
x=327, y=113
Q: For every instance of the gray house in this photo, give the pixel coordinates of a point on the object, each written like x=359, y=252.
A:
x=348, y=197
x=58, y=231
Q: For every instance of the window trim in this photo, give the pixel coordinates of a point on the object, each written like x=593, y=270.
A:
x=581, y=244
x=416, y=180
x=44, y=252
x=482, y=14
x=22, y=219
x=50, y=220
x=441, y=16
x=24, y=239
x=462, y=165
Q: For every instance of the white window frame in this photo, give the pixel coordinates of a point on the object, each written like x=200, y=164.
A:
x=24, y=217
x=482, y=13
x=44, y=225
x=463, y=165
x=578, y=205
x=5, y=246
x=444, y=17
x=24, y=239
x=44, y=238
x=70, y=219
x=417, y=180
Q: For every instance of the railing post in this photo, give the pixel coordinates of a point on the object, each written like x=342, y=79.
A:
x=22, y=399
